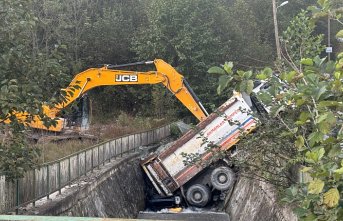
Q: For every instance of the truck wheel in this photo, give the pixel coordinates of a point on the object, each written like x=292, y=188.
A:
x=222, y=178
x=198, y=195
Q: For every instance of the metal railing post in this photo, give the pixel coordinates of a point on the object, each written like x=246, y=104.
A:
x=47, y=181
x=98, y=158
x=34, y=188
x=69, y=171
x=109, y=151
x=59, y=178
x=147, y=138
x=115, y=149
x=140, y=139
x=134, y=141
x=78, y=165
x=92, y=161
x=121, y=147
x=103, y=155
x=128, y=144
x=17, y=197
x=85, y=162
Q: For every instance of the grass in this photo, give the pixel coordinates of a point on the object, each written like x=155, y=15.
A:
x=124, y=124
x=54, y=151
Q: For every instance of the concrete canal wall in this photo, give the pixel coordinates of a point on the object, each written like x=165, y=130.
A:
x=116, y=190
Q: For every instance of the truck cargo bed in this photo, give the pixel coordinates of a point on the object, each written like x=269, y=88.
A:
x=219, y=131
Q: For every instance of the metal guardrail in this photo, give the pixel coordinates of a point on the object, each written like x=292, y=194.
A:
x=53, y=176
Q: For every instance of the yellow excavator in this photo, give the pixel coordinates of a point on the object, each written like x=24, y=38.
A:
x=107, y=75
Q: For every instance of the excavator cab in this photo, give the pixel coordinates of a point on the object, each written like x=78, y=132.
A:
x=79, y=115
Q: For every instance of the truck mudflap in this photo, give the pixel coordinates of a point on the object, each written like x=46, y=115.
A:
x=168, y=169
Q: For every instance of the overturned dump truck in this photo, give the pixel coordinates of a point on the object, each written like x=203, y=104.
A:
x=198, y=184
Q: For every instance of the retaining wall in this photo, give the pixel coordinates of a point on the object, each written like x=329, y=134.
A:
x=116, y=190
x=52, y=177
x=253, y=200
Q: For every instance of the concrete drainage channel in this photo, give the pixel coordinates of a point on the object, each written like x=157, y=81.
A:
x=118, y=189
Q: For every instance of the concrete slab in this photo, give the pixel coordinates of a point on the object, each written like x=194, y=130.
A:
x=198, y=216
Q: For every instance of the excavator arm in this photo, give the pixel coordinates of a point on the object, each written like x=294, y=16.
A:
x=106, y=76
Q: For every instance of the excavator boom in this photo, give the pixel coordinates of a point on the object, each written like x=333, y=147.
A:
x=106, y=76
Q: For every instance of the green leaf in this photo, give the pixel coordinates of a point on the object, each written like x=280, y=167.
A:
x=243, y=86
x=315, y=186
x=319, y=61
x=304, y=116
x=337, y=75
x=5, y=110
x=307, y=61
x=321, y=2
x=334, y=151
x=325, y=122
x=294, y=190
x=331, y=197
x=300, y=102
x=250, y=86
x=300, y=212
x=228, y=67
x=339, y=34
x=328, y=117
x=313, y=8
x=324, y=127
x=265, y=97
x=216, y=70
x=223, y=82
x=322, y=117
x=288, y=76
x=320, y=92
x=315, y=137
x=321, y=153
x=240, y=73
x=261, y=76
x=299, y=143
x=314, y=156
x=339, y=171
x=330, y=67
x=267, y=71
x=309, y=217
x=329, y=104
x=247, y=74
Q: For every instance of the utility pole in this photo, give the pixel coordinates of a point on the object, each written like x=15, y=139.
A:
x=276, y=29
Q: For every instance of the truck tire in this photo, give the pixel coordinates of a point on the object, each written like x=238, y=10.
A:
x=222, y=178
x=198, y=195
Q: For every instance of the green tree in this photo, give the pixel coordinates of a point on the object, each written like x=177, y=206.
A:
x=190, y=35
x=250, y=45
x=299, y=41
x=25, y=72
